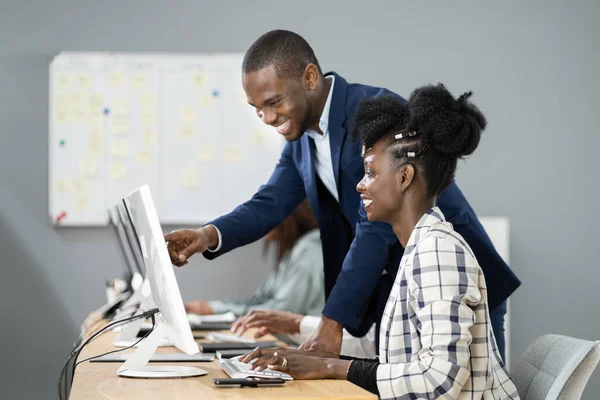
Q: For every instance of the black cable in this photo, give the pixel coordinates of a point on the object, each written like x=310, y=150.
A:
x=118, y=350
x=63, y=389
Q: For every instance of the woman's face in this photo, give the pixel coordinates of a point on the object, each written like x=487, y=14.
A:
x=379, y=188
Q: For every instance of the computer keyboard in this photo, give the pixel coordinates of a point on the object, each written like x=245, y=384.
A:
x=228, y=337
x=240, y=370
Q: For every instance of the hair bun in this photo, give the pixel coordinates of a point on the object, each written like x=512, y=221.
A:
x=450, y=126
x=378, y=115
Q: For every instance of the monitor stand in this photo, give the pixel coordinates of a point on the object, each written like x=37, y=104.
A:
x=137, y=366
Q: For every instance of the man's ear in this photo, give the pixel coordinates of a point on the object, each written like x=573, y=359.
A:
x=405, y=176
x=310, y=78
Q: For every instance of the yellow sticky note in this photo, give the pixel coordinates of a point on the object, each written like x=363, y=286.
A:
x=119, y=106
x=117, y=169
x=148, y=99
x=150, y=136
x=96, y=123
x=62, y=186
x=190, y=178
x=78, y=107
x=95, y=143
x=199, y=79
x=138, y=81
x=80, y=185
x=84, y=81
x=61, y=115
x=205, y=153
x=144, y=157
x=149, y=118
x=232, y=153
x=87, y=168
x=186, y=132
x=119, y=124
x=63, y=82
x=187, y=115
x=259, y=137
x=96, y=105
x=119, y=148
x=116, y=79
x=207, y=101
x=82, y=203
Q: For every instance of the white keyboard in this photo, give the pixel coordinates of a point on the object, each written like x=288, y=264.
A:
x=240, y=370
x=227, y=337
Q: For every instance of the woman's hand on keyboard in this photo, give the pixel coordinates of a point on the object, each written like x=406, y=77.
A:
x=299, y=364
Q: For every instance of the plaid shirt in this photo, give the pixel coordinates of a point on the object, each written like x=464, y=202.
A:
x=436, y=336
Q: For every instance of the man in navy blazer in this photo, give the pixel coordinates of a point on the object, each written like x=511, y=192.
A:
x=313, y=111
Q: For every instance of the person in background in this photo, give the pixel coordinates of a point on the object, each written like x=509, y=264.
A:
x=296, y=282
x=436, y=335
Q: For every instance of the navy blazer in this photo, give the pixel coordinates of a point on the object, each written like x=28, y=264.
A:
x=361, y=258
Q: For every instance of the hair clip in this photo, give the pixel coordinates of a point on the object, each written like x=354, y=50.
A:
x=398, y=136
x=362, y=154
x=413, y=133
x=411, y=154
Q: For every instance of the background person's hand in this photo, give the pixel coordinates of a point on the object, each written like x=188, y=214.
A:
x=198, y=307
x=268, y=322
x=184, y=243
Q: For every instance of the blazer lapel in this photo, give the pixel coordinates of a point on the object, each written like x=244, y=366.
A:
x=336, y=125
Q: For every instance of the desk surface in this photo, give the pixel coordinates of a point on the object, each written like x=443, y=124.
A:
x=100, y=381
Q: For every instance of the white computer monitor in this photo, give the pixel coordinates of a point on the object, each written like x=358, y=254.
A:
x=172, y=323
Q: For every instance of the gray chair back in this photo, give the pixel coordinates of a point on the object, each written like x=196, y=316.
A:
x=556, y=367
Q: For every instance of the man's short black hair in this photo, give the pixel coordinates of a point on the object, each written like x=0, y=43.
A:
x=287, y=51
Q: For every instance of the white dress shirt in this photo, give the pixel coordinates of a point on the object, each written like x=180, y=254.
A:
x=323, y=163
x=360, y=347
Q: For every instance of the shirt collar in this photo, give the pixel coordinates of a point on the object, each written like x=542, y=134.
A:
x=432, y=217
x=324, y=120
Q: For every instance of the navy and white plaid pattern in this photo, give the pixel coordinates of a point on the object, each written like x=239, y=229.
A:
x=436, y=336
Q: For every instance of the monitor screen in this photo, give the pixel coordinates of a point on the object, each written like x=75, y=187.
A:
x=159, y=269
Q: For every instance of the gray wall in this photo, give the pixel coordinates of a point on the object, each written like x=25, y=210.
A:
x=531, y=66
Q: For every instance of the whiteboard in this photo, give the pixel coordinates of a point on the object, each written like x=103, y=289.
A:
x=176, y=122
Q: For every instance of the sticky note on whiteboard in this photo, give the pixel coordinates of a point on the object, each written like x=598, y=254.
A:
x=63, y=81
x=82, y=203
x=117, y=169
x=233, y=153
x=150, y=135
x=80, y=185
x=84, y=81
x=186, y=132
x=87, y=167
x=144, y=157
x=119, y=148
x=148, y=99
x=116, y=79
x=187, y=115
x=62, y=186
x=190, y=178
x=207, y=101
x=205, y=153
x=199, y=79
x=138, y=81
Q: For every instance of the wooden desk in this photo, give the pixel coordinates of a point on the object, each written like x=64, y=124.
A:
x=100, y=381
